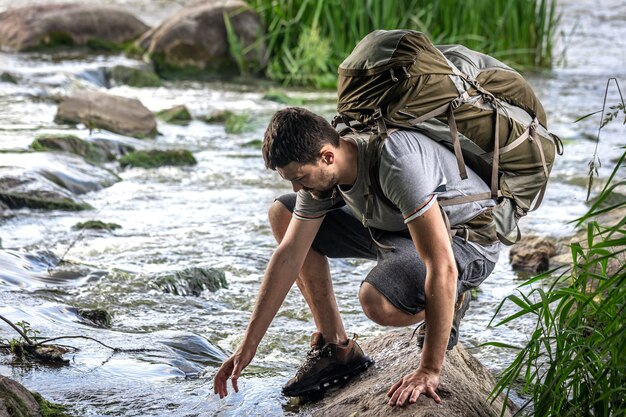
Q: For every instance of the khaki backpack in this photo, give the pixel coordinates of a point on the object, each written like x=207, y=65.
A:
x=483, y=110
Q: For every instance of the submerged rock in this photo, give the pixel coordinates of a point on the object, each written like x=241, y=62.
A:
x=53, y=25
x=179, y=115
x=20, y=188
x=117, y=114
x=7, y=77
x=191, y=281
x=464, y=386
x=157, y=158
x=65, y=170
x=96, y=225
x=96, y=317
x=134, y=77
x=194, y=42
x=233, y=122
x=532, y=253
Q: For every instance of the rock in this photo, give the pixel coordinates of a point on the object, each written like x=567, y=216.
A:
x=134, y=77
x=281, y=97
x=21, y=188
x=233, y=122
x=65, y=170
x=157, y=158
x=532, y=253
x=464, y=387
x=191, y=281
x=52, y=25
x=17, y=401
x=72, y=144
x=178, y=115
x=7, y=77
x=96, y=317
x=96, y=225
x=194, y=42
x=126, y=116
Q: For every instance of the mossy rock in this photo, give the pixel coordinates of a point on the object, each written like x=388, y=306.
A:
x=133, y=77
x=191, y=281
x=49, y=409
x=233, y=122
x=17, y=401
x=96, y=317
x=8, y=78
x=156, y=158
x=254, y=143
x=281, y=97
x=71, y=144
x=18, y=201
x=96, y=225
x=177, y=115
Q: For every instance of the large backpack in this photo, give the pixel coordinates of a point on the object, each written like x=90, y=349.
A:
x=483, y=110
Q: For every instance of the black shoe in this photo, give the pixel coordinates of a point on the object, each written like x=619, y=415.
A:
x=325, y=365
x=459, y=312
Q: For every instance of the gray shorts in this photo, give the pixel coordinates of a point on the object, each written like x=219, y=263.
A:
x=399, y=274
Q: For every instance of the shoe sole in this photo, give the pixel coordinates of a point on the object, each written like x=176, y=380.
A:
x=329, y=381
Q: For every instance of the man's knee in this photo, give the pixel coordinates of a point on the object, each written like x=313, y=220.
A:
x=376, y=306
x=279, y=217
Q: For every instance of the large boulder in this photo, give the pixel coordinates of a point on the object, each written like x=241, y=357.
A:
x=126, y=116
x=16, y=400
x=194, y=41
x=51, y=25
x=464, y=388
x=532, y=253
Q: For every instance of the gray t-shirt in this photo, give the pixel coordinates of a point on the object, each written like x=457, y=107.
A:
x=414, y=171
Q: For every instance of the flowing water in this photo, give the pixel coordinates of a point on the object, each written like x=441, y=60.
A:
x=214, y=214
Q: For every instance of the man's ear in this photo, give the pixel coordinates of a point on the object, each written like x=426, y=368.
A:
x=327, y=154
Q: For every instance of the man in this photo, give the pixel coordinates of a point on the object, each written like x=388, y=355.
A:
x=421, y=274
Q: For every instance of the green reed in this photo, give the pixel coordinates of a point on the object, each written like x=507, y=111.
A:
x=574, y=363
x=308, y=39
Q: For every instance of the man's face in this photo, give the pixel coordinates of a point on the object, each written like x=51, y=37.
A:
x=318, y=179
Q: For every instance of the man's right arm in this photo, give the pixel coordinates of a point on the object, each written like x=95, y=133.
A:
x=282, y=271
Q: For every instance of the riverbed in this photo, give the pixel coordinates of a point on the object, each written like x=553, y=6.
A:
x=214, y=214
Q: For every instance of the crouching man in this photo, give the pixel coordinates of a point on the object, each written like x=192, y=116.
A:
x=421, y=274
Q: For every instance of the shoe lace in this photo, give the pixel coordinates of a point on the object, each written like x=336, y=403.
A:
x=312, y=357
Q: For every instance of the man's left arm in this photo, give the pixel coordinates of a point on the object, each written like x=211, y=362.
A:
x=432, y=242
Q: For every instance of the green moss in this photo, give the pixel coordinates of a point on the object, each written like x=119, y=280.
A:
x=281, y=97
x=71, y=144
x=49, y=409
x=21, y=201
x=56, y=40
x=191, y=281
x=255, y=143
x=14, y=405
x=157, y=158
x=177, y=115
x=96, y=225
x=238, y=123
x=134, y=77
x=98, y=44
x=171, y=70
x=8, y=78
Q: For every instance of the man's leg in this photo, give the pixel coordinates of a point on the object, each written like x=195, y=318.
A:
x=314, y=281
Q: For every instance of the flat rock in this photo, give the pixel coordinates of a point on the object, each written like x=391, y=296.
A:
x=126, y=116
x=464, y=387
x=194, y=41
x=50, y=25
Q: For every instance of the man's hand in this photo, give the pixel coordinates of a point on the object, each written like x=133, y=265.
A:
x=411, y=386
x=231, y=368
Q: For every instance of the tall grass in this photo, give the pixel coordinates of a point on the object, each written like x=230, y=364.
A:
x=308, y=39
x=574, y=363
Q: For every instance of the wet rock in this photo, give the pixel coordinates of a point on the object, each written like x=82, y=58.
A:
x=157, y=158
x=532, y=253
x=233, y=122
x=7, y=77
x=106, y=111
x=20, y=188
x=191, y=281
x=134, y=77
x=464, y=387
x=65, y=170
x=194, y=41
x=72, y=144
x=54, y=25
x=178, y=115
x=116, y=146
x=48, y=354
x=16, y=400
x=96, y=317
x=96, y=225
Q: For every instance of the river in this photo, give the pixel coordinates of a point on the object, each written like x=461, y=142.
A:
x=215, y=215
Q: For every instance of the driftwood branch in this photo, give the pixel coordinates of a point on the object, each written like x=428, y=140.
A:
x=17, y=329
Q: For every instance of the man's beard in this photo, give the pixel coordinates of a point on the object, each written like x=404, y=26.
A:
x=326, y=193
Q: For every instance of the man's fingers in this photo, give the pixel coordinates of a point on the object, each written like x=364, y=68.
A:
x=432, y=394
x=393, y=388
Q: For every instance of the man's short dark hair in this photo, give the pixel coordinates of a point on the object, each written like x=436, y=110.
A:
x=296, y=135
